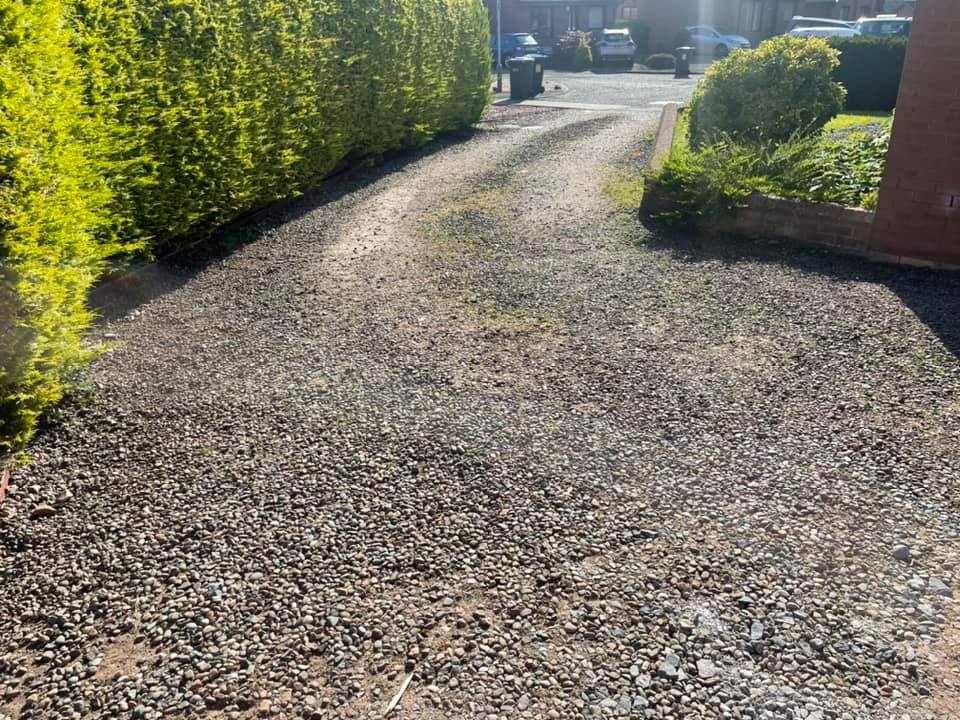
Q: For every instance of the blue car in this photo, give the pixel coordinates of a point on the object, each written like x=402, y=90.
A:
x=517, y=44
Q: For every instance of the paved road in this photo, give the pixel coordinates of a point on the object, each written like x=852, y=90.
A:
x=463, y=426
x=618, y=88
x=633, y=90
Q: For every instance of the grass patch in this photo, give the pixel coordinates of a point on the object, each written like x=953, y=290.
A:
x=625, y=188
x=460, y=226
x=850, y=121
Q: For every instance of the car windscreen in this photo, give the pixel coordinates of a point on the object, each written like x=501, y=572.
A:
x=616, y=37
x=885, y=27
x=525, y=39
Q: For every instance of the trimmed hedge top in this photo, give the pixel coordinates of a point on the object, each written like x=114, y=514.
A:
x=151, y=120
x=870, y=70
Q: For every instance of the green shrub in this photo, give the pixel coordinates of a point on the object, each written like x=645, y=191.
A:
x=154, y=120
x=54, y=231
x=227, y=105
x=870, y=70
x=716, y=179
x=583, y=60
x=782, y=88
x=661, y=61
x=847, y=171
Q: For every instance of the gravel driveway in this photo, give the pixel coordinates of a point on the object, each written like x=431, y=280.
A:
x=461, y=426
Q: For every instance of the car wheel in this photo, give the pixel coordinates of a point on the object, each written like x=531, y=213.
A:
x=721, y=51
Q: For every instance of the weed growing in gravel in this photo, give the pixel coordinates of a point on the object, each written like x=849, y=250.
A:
x=625, y=188
x=459, y=226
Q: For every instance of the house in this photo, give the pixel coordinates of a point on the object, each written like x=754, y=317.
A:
x=903, y=8
x=754, y=19
x=548, y=19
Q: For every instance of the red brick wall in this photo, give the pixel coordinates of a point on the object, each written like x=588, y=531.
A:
x=919, y=211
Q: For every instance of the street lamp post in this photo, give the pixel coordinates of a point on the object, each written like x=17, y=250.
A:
x=499, y=51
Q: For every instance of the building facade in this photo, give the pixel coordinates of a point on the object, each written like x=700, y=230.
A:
x=548, y=19
x=918, y=215
x=754, y=19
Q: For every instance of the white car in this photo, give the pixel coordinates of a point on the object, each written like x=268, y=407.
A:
x=614, y=46
x=709, y=41
x=823, y=32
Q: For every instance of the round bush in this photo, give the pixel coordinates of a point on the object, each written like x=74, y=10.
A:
x=661, y=61
x=782, y=88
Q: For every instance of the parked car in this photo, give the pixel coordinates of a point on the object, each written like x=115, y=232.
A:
x=613, y=45
x=711, y=41
x=517, y=44
x=799, y=21
x=885, y=26
x=823, y=32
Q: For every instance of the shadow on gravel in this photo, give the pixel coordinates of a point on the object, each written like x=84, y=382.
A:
x=932, y=295
x=119, y=294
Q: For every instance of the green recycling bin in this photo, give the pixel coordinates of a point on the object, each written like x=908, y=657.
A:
x=539, y=63
x=522, y=74
x=683, y=55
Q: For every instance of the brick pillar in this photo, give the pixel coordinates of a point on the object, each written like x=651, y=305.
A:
x=919, y=211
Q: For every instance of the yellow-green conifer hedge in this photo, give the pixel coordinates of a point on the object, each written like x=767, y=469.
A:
x=134, y=123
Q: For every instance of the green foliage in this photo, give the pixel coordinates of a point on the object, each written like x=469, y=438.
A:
x=583, y=59
x=849, y=170
x=782, y=88
x=54, y=232
x=153, y=120
x=716, y=179
x=226, y=105
x=870, y=70
x=661, y=61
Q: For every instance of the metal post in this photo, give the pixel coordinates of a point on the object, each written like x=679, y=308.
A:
x=499, y=51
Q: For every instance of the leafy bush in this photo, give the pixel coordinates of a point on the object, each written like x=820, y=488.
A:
x=54, y=233
x=782, y=88
x=661, y=61
x=870, y=70
x=152, y=120
x=584, y=57
x=227, y=105
x=847, y=171
x=715, y=179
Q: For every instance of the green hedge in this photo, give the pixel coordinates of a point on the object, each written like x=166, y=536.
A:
x=55, y=225
x=870, y=70
x=153, y=120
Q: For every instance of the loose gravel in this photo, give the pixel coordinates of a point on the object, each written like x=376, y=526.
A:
x=460, y=425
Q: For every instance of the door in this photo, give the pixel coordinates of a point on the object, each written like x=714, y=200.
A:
x=595, y=18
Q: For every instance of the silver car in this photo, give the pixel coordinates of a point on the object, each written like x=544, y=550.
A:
x=614, y=46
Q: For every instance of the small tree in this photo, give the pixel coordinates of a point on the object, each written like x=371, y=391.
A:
x=781, y=89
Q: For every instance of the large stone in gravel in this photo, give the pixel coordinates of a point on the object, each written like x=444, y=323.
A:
x=706, y=669
x=938, y=587
x=670, y=667
x=41, y=511
x=901, y=552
